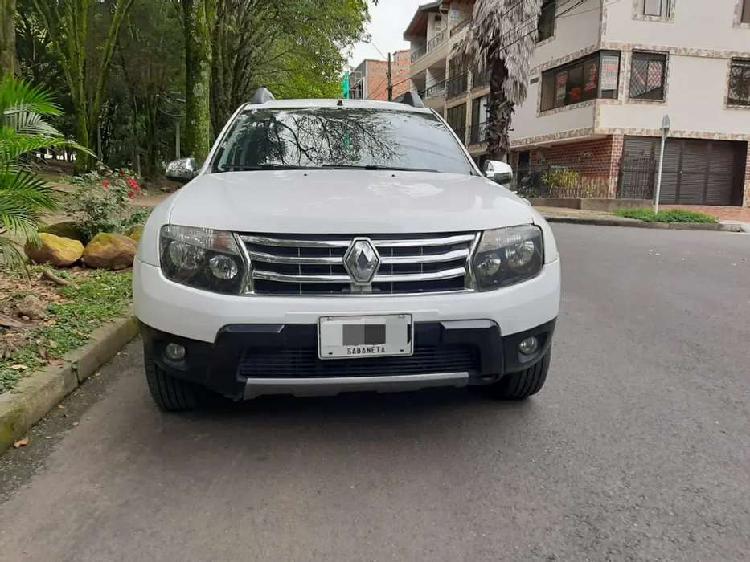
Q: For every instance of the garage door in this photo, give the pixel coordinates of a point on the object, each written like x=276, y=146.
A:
x=696, y=172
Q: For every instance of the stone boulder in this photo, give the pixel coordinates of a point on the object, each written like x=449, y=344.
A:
x=110, y=251
x=135, y=233
x=31, y=307
x=65, y=229
x=54, y=250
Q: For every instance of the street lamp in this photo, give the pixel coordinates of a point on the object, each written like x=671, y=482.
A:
x=665, y=126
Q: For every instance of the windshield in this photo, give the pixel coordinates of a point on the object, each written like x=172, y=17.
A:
x=330, y=137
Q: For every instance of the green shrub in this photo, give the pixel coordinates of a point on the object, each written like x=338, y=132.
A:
x=102, y=202
x=675, y=215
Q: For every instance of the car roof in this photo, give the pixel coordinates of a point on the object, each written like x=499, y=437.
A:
x=350, y=104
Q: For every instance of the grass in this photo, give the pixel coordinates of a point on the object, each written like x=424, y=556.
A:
x=93, y=301
x=676, y=215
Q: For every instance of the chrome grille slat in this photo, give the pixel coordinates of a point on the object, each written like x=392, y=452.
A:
x=314, y=264
x=420, y=258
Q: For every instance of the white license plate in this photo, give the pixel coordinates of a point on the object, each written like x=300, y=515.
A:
x=352, y=337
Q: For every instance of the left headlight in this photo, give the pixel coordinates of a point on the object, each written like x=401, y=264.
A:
x=201, y=258
x=507, y=256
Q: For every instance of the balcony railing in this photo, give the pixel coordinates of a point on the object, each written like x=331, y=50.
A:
x=436, y=90
x=418, y=53
x=436, y=40
x=460, y=27
x=478, y=133
x=457, y=86
x=480, y=79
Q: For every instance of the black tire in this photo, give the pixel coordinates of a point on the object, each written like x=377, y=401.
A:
x=521, y=385
x=169, y=393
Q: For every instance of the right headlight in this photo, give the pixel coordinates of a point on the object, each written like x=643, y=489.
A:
x=507, y=256
x=202, y=258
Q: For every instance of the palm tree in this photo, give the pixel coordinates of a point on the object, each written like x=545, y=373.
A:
x=501, y=42
x=24, y=197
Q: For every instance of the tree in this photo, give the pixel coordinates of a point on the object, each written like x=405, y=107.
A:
x=501, y=42
x=291, y=46
x=198, y=20
x=75, y=27
x=7, y=37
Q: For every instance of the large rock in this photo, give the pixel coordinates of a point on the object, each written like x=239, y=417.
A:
x=135, y=233
x=65, y=229
x=54, y=250
x=110, y=251
x=31, y=307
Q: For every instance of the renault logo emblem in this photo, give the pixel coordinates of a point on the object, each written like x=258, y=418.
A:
x=361, y=261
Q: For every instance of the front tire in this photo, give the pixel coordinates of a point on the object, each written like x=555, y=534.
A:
x=521, y=385
x=170, y=394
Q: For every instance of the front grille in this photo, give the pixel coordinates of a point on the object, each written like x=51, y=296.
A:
x=304, y=362
x=310, y=265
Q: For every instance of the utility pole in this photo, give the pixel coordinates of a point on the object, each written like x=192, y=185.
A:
x=389, y=75
x=665, y=127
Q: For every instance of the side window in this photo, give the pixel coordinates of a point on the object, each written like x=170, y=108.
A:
x=745, y=15
x=456, y=118
x=657, y=8
x=594, y=76
x=739, y=82
x=546, y=25
x=648, y=76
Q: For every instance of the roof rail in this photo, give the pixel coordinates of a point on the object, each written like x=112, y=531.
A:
x=262, y=95
x=410, y=98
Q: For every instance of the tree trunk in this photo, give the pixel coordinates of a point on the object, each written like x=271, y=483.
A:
x=499, y=113
x=7, y=37
x=197, y=22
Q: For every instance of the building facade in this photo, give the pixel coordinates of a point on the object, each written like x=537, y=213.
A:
x=604, y=75
x=369, y=80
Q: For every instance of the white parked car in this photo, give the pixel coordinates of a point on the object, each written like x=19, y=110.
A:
x=329, y=246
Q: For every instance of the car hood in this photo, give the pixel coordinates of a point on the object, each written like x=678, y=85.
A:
x=346, y=202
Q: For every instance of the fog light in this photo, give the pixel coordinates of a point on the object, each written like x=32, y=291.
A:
x=528, y=346
x=174, y=352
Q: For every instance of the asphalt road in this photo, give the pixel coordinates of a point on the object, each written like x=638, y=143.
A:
x=638, y=448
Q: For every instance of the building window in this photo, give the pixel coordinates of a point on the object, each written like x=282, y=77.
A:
x=588, y=78
x=478, y=132
x=657, y=8
x=648, y=76
x=546, y=26
x=745, y=16
x=739, y=82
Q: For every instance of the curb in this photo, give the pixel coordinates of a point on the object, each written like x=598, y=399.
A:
x=715, y=227
x=39, y=393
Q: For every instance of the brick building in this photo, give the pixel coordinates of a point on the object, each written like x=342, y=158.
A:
x=603, y=76
x=369, y=80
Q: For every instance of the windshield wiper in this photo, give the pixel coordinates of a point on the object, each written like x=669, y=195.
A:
x=259, y=167
x=376, y=167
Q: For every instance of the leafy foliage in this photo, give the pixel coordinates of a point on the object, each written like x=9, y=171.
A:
x=675, y=215
x=101, y=297
x=23, y=131
x=102, y=202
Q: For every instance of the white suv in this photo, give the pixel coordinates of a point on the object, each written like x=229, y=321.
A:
x=330, y=246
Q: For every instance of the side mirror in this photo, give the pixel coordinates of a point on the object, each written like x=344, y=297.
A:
x=498, y=171
x=182, y=170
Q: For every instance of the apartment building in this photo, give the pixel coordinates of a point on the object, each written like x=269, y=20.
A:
x=369, y=80
x=605, y=72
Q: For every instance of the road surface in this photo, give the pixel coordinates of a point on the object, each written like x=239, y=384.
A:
x=638, y=447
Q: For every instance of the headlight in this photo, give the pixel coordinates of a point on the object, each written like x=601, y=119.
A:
x=202, y=258
x=507, y=256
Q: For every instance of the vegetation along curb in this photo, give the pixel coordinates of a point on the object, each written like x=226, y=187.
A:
x=39, y=393
x=655, y=225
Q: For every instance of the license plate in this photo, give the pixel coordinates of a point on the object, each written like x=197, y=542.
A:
x=354, y=337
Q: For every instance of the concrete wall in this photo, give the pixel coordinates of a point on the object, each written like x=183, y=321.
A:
x=576, y=32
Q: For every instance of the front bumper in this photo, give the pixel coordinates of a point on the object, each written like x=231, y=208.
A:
x=250, y=360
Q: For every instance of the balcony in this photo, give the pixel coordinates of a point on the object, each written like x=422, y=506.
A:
x=478, y=133
x=434, y=91
x=418, y=53
x=480, y=79
x=457, y=86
